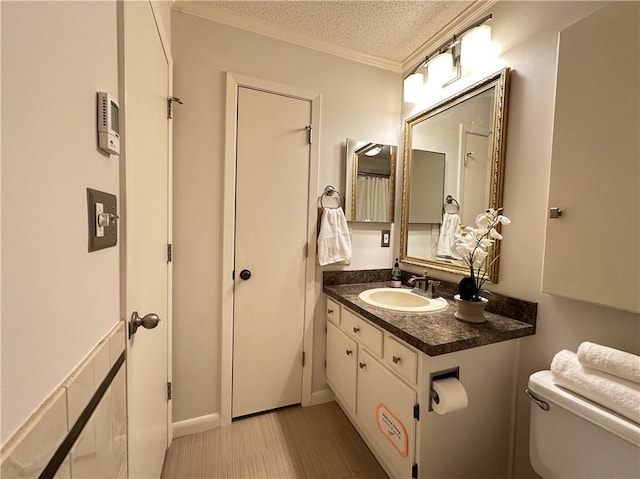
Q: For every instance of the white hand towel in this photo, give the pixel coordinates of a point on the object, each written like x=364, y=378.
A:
x=619, y=395
x=609, y=360
x=447, y=241
x=334, y=242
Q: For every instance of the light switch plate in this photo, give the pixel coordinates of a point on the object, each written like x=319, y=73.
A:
x=385, y=238
x=109, y=235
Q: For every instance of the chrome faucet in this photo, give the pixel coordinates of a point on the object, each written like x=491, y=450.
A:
x=424, y=286
x=419, y=284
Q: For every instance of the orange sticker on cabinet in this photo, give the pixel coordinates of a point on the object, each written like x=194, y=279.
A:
x=392, y=428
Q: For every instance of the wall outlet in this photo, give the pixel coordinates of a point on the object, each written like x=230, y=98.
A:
x=385, y=238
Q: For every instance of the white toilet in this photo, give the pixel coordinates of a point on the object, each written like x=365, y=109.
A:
x=575, y=438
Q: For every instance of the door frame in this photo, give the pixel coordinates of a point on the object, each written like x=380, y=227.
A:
x=122, y=87
x=235, y=81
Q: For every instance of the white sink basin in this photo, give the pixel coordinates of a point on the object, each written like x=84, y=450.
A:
x=402, y=300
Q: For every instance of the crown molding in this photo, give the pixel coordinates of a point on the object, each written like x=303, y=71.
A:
x=471, y=14
x=277, y=33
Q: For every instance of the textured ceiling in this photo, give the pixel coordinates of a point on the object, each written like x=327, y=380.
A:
x=386, y=30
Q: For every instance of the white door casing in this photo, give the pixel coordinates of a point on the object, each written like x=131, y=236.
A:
x=146, y=162
x=271, y=223
x=234, y=82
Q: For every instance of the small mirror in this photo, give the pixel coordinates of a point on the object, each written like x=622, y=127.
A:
x=370, y=188
x=453, y=171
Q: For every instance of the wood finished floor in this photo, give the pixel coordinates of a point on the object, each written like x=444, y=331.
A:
x=316, y=442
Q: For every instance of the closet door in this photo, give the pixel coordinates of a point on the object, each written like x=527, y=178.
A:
x=272, y=192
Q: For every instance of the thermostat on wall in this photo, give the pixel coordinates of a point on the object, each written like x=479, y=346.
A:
x=108, y=124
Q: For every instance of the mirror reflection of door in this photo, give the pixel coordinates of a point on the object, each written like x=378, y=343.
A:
x=475, y=171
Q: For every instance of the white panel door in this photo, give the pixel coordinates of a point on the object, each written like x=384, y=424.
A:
x=147, y=71
x=272, y=192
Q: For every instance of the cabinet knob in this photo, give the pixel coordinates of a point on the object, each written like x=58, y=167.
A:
x=329, y=311
x=362, y=365
x=396, y=359
x=356, y=330
x=555, y=212
x=349, y=352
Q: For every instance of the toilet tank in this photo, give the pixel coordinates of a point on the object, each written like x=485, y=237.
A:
x=576, y=438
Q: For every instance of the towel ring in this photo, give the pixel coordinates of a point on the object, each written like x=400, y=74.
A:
x=450, y=200
x=330, y=191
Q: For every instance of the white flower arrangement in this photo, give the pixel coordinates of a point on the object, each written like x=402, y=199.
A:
x=472, y=244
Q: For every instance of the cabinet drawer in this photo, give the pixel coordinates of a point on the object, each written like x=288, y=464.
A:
x=333, y=311
x=368, y=335
x=402, y=360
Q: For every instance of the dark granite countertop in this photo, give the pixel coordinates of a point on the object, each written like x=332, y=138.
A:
x=433, y=333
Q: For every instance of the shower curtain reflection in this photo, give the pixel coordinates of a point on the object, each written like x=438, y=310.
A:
x=372, y=200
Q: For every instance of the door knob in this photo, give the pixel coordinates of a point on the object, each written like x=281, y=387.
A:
x=245, y=274
x=149, y=321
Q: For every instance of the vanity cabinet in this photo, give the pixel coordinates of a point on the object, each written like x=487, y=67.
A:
x=376, y=388
x=382, y=384
x=592, y=247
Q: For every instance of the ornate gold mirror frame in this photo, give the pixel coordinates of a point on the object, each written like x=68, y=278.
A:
x=496, y=84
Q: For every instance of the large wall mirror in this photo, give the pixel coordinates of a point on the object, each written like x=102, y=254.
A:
x=370, y=188
x=453, y=170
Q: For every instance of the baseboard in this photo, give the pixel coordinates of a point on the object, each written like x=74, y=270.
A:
x=196, y=425
x=322, y=396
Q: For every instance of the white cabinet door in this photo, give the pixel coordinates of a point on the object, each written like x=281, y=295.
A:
x=341, y=365
x=592, y=251
x=385, y=410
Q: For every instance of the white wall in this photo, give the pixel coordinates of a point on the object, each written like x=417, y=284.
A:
x=358, y=101
x=58, y=300
x=527, y=35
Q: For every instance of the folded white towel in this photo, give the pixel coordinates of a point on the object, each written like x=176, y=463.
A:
x=447, y=241
x=612, y=361
x=619, y=395
x=334, y=242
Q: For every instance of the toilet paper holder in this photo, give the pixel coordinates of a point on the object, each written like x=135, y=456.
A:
x=445, y=373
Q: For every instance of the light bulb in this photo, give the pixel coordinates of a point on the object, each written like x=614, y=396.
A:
x=476, y=47
x=413, y=86
x=441, y=69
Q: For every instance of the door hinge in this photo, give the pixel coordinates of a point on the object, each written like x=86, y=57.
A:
x=303, y=358
x=414, y=471
x=169, y=392
x=170, y=101
x=306, y=250
x=169, y=253
x=325, y=364
x=309, y=129
x=416, y=411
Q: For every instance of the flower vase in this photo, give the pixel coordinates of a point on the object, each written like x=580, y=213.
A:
x=470, y=311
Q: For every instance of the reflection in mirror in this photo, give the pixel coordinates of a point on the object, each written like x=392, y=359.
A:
x=453, y=170
x=370, y=181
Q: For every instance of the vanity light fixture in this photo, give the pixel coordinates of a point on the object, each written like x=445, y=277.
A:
x=444, y=63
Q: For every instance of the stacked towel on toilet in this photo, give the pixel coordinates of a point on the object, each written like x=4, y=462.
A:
x=334, y=242
x=603, y=376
